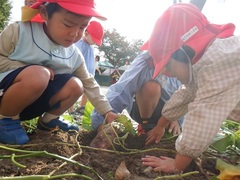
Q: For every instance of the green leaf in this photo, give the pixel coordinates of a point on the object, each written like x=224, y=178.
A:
x=221, y=142
x=67, y=117
x=227, y=171
x=86, y=121
x=126, y=123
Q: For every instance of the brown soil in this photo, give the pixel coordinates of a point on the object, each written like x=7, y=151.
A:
x=92, y=163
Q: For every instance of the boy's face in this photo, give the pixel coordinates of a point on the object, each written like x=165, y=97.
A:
x=29, y=2
x=64, y=28
x=88, y=38
x=179, y=70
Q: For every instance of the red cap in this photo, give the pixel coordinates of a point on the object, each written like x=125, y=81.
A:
x=182, y=24
x=96, y=31
x=83, y=7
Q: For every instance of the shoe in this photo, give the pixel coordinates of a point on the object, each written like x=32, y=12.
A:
x=11, y=132
x=56, y=124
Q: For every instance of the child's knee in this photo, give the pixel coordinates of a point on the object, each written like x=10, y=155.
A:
x=75, y=86
x=150, y=88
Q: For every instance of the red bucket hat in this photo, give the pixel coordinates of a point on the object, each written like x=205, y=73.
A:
x=96, y=31
x=182, y=24
x=83, y=7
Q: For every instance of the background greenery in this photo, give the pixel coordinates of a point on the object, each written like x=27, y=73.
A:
x=5, y=12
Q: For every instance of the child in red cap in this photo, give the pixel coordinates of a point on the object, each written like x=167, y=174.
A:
x=93, y=35
x=42, y=72
x=29, y=2
x=205, y=57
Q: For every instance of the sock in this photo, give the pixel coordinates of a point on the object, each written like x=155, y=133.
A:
x=13, y=117
x=47, y=117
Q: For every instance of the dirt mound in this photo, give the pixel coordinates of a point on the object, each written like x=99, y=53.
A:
x=47, y=154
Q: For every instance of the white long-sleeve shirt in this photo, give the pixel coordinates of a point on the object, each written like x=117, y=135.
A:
x=26, y=43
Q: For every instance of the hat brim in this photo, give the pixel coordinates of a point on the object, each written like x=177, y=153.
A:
x=145, y=46
x=161, y=62
x=97, y=41
x=83, y=10
x=160, y=65
x=36, y=5
x=76, y=8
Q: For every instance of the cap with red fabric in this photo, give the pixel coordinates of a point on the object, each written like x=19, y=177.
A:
x=182, y=24
x=96, y=31
x=83, y=7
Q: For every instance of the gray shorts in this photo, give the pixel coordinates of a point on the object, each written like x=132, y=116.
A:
x=153, y=120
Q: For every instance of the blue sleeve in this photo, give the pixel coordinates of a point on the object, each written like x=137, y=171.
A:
x=120, y=95
x=88, y=55
x=81, y=47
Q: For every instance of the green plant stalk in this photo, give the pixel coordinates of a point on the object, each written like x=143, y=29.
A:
x=72, y=157
x=17, y=150
x=45, y=177
x=230, y=130
x=237, y=152
x=35, y=154
x=116, y=134
x=117, y=139
x=42, y=153
x=109, y=140
x=63, y=164
x=233, y=122
x=32, y=145
x=118, y=142
x=177, y=176
x=121, y=141
x=97, y=149
x=15, y=162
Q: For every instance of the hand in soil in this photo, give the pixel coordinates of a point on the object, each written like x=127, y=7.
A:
x=162, y=163
x=155, y=135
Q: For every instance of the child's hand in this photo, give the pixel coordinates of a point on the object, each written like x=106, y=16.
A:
x=155, y=134
x=174, y=128
x=110, y=116
x=164, y=164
